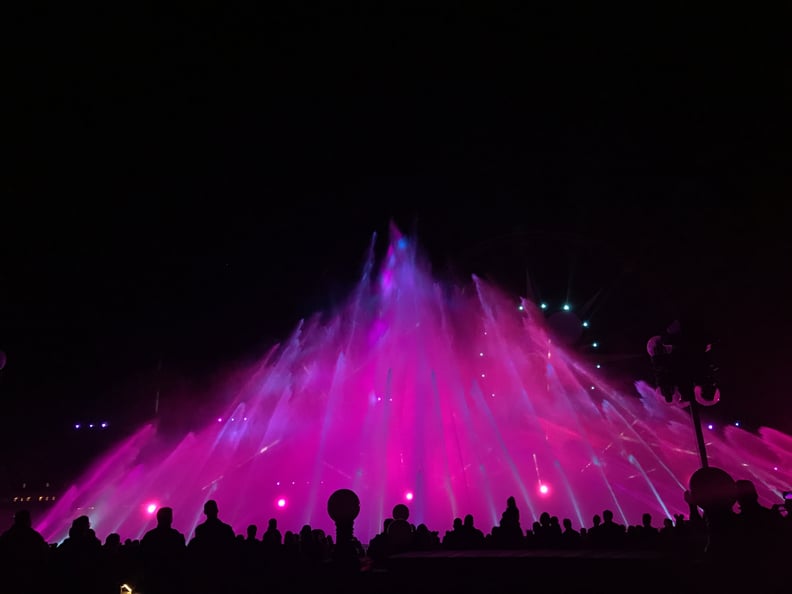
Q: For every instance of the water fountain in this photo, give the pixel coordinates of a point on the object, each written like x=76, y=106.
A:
x=449, y=398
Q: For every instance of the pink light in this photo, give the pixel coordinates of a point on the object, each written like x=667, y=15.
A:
x=312, y=403
x=408, y=495
x=151, y=508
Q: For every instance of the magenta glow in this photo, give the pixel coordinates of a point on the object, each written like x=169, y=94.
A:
x=450, y=390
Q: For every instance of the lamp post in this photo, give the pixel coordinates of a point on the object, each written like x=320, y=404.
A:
x=684, y=373
x=343, y=507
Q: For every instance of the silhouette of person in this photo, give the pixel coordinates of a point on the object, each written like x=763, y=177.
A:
x=510, y=533
x=612, y=534
x=213, y=531
x=271, y=542
x=77, y=557
x=211, y=552
x=472, y=537
x=24, y=555
x=570, y=538
x=162, y=554
x=760, y=528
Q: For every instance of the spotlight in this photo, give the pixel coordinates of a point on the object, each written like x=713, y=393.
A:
x=408, y=495
x=543, y=305
x=599, y=366
x=521, y=308
x=151, y=508
x=281, y=503
x=710, y=427
x=595, y=344
x=76, y=425
x=566, y=307
x=736, y=423
x=544, y=489
x=585, y=324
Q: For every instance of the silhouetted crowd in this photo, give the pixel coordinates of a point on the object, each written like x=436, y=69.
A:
x=737, y=538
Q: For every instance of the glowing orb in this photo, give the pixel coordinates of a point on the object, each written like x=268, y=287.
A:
x=151, y=508
x=408, y=495
x=281, y=503
x=544, y=489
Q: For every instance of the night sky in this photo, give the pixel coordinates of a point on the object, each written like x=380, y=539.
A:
x=181, y=188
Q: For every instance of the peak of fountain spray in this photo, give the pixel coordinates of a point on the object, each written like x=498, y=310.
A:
x=448, y=398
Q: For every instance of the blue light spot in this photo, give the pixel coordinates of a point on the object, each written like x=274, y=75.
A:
x=402, y=243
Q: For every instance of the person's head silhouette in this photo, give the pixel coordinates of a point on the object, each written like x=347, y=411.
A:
x=22, y=519
x=164, y=517
x=210, y=509
x=747, y=497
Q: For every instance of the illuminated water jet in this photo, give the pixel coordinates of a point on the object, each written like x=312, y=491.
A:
x=448, y=398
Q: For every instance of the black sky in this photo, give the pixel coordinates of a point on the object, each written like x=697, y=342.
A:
x=184, y=186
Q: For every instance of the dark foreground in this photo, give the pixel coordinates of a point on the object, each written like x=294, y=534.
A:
x=553, y=572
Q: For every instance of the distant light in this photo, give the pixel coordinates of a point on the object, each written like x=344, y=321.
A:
x=244, y=419
x=151, y=508
x=76, y=425
x=90, y=426
x=104, y=425
x=544, y=489
x=585, y=324
x=736, y=423
x=543, y=305
x=482, y=375
x=281, y=503
x=219, y=419
x=599, y=366
x=566, y=307
x=521, y=308
x=595, y=344
x=481, y=354
x=592, y=387
x=493, y=394
x=710, y=427
x=232, y=419
x=775, y=467
x=408, y=495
